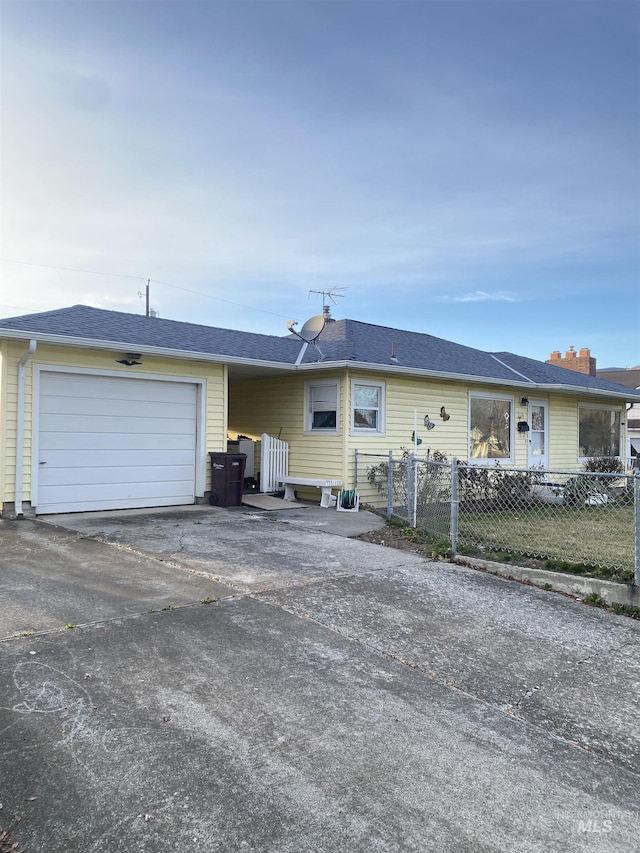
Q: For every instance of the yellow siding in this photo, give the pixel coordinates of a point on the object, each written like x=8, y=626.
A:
x=3, y=419
x=276, y=406
x=563, y=433
x=406, y=395
x=46, y=355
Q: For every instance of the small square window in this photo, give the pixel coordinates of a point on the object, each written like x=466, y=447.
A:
x=368, y=407
x=321, y=407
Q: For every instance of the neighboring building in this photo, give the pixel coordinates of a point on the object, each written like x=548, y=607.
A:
x=630, y=378
x=107, y=410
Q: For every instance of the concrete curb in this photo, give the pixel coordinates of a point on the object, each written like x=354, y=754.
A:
x=574, y=585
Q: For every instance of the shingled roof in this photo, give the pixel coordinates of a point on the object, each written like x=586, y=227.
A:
x=82, y=323
x=341, y=342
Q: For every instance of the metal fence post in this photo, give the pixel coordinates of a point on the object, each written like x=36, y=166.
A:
x=355, y=471
x=454, y=506
x=412, y=491
x=390, y=485
x=636, y=526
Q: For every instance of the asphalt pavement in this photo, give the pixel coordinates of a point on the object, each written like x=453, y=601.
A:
x=237, y=680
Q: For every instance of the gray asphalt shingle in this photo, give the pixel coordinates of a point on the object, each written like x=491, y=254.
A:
x=341, y=341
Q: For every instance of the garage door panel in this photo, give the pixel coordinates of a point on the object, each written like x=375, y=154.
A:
x=120, y=503
x=85, y=387
x=98, y=442
x=111, y=442
x=101, y=461
x=135, y=474
x=121, y=425
x=112, y=491
x=107, y=408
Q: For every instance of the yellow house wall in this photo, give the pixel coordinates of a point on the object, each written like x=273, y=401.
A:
x=404, y=395
x=87, y=359
x=276, y=406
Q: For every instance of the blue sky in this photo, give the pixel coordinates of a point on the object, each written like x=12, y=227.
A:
x=466, y=169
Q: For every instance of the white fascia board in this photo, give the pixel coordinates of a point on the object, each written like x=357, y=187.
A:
x=161, y=352
x=529, y=385
x=413, y=371
x=590, y=392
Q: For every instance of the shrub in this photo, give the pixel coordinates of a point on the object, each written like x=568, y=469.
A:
x=603, y=465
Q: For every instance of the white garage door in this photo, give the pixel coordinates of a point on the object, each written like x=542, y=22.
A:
x=112, y=443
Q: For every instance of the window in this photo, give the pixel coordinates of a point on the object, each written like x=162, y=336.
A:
x=598, y=432
x=490, y=427
x=321, y=404
x=367, y=401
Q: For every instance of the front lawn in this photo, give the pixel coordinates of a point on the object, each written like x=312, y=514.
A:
x=599, y=537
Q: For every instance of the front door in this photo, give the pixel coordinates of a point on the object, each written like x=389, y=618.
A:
x=538, y=434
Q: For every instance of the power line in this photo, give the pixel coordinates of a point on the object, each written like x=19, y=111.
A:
x=69, y=269
x=216, y=298
x=142, y=278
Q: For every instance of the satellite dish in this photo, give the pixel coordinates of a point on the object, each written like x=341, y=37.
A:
x=290, y=324
x=311, y=330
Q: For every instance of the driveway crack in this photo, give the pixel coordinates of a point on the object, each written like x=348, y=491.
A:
x=511, y=710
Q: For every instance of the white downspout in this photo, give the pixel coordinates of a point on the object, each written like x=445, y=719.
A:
x=20, y=425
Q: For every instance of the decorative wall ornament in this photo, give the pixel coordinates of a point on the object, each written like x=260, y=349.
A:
x=443, y=414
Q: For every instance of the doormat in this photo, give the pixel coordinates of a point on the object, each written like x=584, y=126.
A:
x=269, y=502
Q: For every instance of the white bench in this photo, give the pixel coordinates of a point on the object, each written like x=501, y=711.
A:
x=325, y=485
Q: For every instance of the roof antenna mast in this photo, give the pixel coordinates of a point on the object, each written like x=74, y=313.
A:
x=329, y=296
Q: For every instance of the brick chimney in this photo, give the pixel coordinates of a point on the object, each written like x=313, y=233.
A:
x=582, y=362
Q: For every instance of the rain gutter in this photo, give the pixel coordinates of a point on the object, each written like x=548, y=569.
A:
x=22, y=364
x=128, y=346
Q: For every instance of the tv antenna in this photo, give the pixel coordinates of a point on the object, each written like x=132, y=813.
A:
x=329, y=296
x=308, y=334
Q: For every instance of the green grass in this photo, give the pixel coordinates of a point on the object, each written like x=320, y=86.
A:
x=598, y=539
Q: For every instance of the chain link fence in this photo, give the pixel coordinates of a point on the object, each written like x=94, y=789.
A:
x=579, y=521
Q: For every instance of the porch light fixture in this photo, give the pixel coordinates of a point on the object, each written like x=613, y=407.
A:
x=130, y=359
x=524, y=401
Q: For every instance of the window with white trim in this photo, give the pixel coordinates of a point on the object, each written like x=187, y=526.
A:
x=490, y=428
x=321, y=407
x=599, y=431
x=367, y=407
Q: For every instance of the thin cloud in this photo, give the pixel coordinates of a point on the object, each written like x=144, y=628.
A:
x=484, y=296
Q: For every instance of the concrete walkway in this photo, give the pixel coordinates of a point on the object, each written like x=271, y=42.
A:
x=338, y=696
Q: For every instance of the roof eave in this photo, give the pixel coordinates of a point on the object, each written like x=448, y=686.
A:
x=412, y=371
x=465, y=377
x=127, y=346
x=590, y=392
x=215, y=358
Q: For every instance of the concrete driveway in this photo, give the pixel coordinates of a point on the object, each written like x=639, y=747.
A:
x=333, y=695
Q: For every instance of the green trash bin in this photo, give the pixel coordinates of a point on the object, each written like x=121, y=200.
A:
x=227, y=478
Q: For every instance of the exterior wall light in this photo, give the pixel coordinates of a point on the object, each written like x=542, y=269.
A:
x=130, y=359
